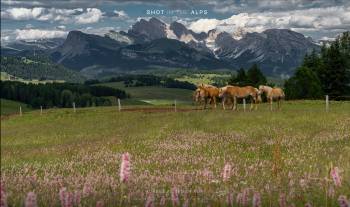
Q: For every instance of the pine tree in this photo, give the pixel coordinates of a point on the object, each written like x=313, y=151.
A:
x=303, y=85
x=255, y=77
x=240, y=79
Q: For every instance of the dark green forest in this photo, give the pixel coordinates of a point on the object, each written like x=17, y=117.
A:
x=146, y=80
x=326, y=73
x=252, y=77
x=59, y=94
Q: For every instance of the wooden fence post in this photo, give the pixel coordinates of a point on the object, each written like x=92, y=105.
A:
x=244, y=104
x=119, y=105
x=74, y=107
x=327, y=103
x=20, y=110
x=41, y=110
x=175, y=105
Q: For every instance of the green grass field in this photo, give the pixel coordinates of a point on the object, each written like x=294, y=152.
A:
x=277, y=154
x=12, y=107
x=152, y=94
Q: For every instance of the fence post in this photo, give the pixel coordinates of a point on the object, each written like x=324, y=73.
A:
x=119, y=105
x=327, y=103
x=74, y=107
x=20, y=110
x=41, y=110
x=244, y=104
x=175, y=105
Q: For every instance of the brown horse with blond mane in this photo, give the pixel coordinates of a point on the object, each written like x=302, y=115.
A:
x=234, y=92
x=207, y=93
x=272, y=94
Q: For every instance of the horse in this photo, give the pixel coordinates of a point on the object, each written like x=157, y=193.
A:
x=208, y=92
x=198, y=96
x=234, y=92
x=272, y=94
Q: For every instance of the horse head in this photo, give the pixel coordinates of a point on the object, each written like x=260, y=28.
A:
x=222, y=91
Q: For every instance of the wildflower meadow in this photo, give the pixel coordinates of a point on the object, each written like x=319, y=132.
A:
x=299, y=156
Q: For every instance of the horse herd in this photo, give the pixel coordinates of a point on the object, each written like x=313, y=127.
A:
x=209, y=94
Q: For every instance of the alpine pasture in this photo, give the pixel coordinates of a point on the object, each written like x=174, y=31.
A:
x=297, y=156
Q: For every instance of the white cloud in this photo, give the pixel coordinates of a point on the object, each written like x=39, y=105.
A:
x=318, y=19
x=22, y=13
x=120, y=14
x=34, y=34
x=65, y=16
x=204, y=25
x=92, y=15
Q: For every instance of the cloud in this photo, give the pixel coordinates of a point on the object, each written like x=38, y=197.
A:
x=92, y=15
x=22, y=13
x=65, y=16
x=120, y=14
x=316, y=19
x=34, y=34
x=204, y=25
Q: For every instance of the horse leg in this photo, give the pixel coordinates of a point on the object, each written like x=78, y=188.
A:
x=223, y=103
x=279, y=104
x=251, y=103
x=214, y=99
x=270, y=103
x=205, y=103
x=234, y=103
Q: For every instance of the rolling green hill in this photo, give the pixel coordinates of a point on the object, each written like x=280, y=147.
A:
x=12, y=107
x=38, y=68
x=154, y=95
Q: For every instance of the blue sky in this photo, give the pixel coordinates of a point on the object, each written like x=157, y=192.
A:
x=320, y=19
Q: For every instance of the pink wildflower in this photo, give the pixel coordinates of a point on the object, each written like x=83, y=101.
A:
x=229, y=199
x=175, y=197
x=68, y=201
x=31, y=200
x=227, y=172
x=150, y=200
x=256, y=199
x=66, y=198
x=245, y=196
x=62, y=195
x=343, y=202
x=125, y=166
x=282, y=200
x=336, y=177
x=239, y=199
x=99, y=204
x=87, y=189
x=308, y=205
x=3, y=202
x=77, y=198
x=162, y=201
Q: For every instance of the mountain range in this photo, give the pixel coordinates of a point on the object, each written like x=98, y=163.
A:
x=153, y=43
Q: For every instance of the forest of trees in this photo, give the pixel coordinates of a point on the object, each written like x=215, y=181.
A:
x=327, y=73
x=252, y=77
x=59, y=94
x=147, y=80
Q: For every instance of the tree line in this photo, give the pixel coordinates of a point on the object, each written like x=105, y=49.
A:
x=324, y=73
x=59, y=94
x=146, y=80
x=252, y=77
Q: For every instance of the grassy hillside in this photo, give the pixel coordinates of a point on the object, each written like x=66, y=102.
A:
x=271, y=153
x=37, y=68
x=153, y=94
x=12, y=107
